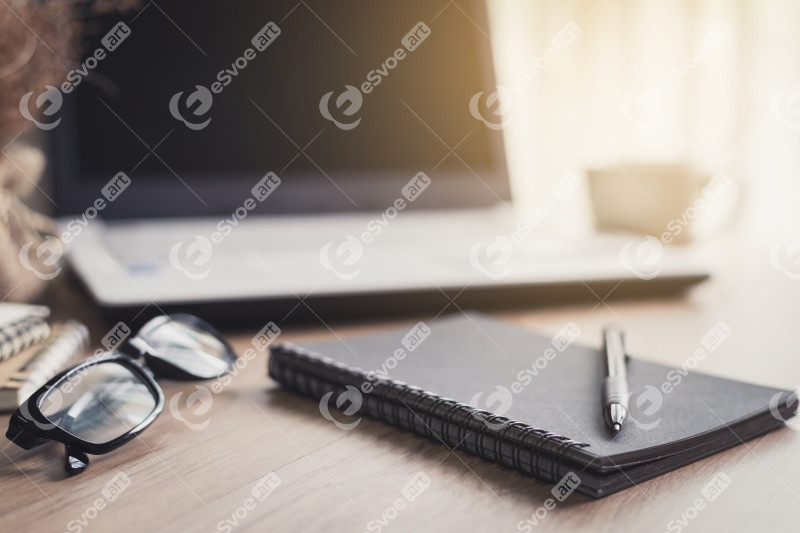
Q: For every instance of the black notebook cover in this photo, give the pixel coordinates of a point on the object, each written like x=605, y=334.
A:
x=442, y=380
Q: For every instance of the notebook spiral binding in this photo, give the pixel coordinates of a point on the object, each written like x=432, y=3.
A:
x=527, y=449
x=21, y=335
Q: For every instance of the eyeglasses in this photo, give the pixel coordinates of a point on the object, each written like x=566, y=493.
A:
x=105, y=401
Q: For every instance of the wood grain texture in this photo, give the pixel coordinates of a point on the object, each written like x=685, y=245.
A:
x=192, y=470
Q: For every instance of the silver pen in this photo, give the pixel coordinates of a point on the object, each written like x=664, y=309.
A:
x=615, y=386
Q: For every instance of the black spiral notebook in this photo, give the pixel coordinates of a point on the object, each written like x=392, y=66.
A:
x=531, y=403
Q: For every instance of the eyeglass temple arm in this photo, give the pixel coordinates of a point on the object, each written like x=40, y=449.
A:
x=75, y=461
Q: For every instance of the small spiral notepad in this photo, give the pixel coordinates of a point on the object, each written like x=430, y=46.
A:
x=21, y=326
x=22, y=374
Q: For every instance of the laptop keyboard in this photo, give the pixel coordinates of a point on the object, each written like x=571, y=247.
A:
x=432, y=244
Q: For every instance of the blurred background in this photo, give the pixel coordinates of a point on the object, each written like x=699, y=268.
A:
x=713, y=84
x=678, y=120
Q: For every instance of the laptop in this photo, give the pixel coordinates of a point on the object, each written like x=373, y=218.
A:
x=312, y=160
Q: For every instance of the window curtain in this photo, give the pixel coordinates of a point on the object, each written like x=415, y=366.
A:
x=710, y=83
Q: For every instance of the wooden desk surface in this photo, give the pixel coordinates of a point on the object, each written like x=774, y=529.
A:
x=195, y=467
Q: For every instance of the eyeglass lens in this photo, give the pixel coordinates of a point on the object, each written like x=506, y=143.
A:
x=98, y=403
x=190, y=348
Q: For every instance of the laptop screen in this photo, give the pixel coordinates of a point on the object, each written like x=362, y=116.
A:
x=345, y=102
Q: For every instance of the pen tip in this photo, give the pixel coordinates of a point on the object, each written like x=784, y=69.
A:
x=617, y=426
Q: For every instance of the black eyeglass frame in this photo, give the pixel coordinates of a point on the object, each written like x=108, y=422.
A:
x=36, y=429
x=29, y=428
